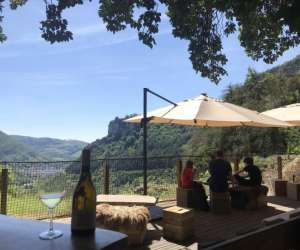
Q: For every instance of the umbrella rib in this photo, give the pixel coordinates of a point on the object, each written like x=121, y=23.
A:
x=169, y=111
x=230, y=108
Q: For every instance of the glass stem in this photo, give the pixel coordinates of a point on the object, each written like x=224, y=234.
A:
x=51, y=220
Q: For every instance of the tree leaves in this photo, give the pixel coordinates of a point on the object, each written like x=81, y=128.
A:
x=14, y=4
x=2, y=35
x=263, y=31
x=266, y=28
x=117, y=15
x=54, y=28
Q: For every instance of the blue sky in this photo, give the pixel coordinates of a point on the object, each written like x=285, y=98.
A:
x=72, y=90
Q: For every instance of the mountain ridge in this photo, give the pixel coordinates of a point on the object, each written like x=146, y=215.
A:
x=27, y=148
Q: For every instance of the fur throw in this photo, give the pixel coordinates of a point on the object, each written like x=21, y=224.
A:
x=113, y=217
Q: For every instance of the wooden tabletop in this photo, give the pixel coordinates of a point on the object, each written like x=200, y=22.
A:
x=139, y=200
x=201, y=182
x=16, y=234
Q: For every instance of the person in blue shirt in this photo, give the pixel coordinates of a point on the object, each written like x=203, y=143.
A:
x=220, y=172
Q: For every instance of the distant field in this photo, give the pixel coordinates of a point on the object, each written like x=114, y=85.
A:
x=30, y=206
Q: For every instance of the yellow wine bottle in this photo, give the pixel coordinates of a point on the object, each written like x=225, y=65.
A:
x=84, y=200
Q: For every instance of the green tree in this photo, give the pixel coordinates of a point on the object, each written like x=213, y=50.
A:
x=266, y=28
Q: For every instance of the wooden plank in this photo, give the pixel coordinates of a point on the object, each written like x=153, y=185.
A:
x=212, y=228
x=139, y=200
x=4, y=188
x=279, y=167
x=106, y=178
x=177, y=215
x=179, y=172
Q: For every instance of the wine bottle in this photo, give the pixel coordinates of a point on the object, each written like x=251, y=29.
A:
x=84, y=200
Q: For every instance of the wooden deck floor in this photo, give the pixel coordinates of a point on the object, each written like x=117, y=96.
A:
x=209, y=227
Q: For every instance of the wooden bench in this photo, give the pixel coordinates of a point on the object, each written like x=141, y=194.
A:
x=280, y=187
x=279, y=236
x=281, y=217
x=178, y=223
x=220, y=203
x=184, y=197
x=126, y=200
x=293, y=191
x=255, y=197
x=131, y=221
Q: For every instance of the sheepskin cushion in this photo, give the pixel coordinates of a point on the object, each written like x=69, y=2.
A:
x=128, y=220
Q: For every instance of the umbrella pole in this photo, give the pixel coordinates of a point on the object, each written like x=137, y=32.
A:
x=144, y=122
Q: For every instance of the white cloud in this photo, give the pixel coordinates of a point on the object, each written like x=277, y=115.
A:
x=89, y=29
x=42, y=78
x=33, y=38
x=82, y=31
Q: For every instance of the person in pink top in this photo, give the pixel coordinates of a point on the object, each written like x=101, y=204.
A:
x=187, y=176
x=187, y=181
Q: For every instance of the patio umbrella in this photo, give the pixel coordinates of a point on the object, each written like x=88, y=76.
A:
x=200, y=111
x=204, y=111
x=289, y=113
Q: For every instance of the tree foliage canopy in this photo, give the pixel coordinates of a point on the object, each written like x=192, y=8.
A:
x=266, y=28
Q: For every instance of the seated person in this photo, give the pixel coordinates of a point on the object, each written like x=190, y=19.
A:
x=187, y=181
x=220, y=172
x=253, y=177
x=241, y=197
x=187, y=177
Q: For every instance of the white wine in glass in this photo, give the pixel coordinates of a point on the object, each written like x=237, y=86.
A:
x=51, y=201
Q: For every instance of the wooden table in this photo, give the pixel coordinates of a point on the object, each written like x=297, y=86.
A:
x=202, y=182
x=17, y=234
x=126, y=200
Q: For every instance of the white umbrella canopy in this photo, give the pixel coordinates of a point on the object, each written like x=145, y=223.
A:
x=289, y=113
x=204, y=111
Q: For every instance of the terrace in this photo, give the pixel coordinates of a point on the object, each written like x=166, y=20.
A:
x=210, y=228
x=124, y=176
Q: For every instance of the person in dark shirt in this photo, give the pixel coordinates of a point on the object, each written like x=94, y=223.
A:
x=253, y=177
x=220, y=172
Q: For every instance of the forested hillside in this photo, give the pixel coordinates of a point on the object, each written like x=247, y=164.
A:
x=24, y=148
x=53, y=149
x=13, y=150
x=260, y=91
x=125, y=139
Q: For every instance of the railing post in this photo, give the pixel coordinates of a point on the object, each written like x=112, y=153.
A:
x=106, y=177
x=279, y=167
x=178, y=172
x=4, y=187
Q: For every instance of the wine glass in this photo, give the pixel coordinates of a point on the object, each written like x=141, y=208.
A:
x=51, y=200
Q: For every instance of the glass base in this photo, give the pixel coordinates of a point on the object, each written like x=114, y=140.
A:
x=50, y=235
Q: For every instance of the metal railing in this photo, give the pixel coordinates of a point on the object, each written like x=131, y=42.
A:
x=22, y=182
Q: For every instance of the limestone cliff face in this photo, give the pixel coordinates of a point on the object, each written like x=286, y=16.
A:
x=118, y=128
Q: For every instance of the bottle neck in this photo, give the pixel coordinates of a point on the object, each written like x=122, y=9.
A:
x=85, y=172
